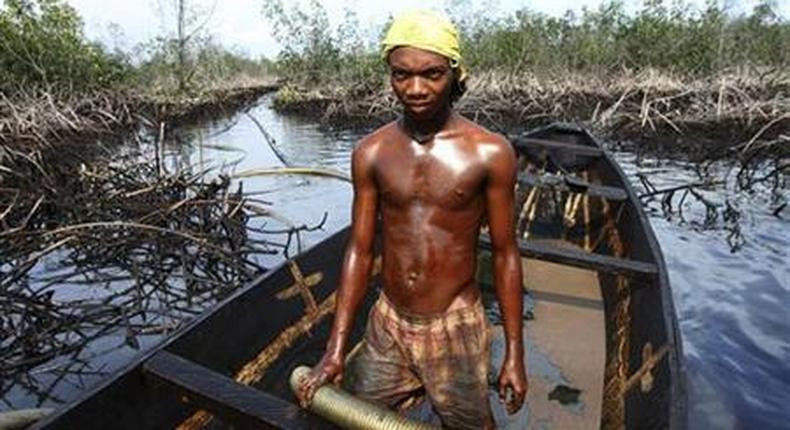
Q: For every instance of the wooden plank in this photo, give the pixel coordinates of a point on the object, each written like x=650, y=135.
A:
x=564, y=299
x=578, y=258
x=567, y=183
x=243, y=406
x=529, y=143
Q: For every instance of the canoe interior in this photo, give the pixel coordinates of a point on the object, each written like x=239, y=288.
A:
x=590, y=329
x=565, y=338
x=639, y=311
x=566, y=343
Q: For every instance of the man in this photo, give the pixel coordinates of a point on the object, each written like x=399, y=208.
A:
x=434, y=177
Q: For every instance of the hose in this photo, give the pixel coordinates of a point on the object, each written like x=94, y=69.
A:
x=349, y=412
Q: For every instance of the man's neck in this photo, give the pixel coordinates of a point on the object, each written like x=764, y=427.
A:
x=424, y=130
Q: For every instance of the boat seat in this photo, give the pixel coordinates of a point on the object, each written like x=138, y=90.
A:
x=571, y=184
x=547, y=251
x=244, y=406
x=532, y=144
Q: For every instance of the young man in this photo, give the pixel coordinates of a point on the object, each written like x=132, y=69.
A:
x=434, y=177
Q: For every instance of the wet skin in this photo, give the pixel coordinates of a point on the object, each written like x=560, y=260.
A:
x=434, y=177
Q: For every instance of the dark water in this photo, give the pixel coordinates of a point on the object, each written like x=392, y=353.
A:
x=731, y=286
x=730, y=274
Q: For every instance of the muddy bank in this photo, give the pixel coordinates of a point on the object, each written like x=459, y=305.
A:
x=45, y=120
x=695, y=117
x=47, y=145
x=43, y=139
x=51, y=151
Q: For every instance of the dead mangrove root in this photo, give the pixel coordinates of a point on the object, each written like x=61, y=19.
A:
x=741, y=110
x=119, y=248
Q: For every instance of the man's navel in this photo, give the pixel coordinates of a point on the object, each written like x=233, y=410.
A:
x=411, y=279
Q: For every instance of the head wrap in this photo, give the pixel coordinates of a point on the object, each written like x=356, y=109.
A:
x=427, y=30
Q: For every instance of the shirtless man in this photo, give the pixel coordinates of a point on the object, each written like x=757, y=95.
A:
x=434, y=177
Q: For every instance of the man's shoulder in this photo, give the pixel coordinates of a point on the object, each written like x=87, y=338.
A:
x=373, y=140
x=487, y=141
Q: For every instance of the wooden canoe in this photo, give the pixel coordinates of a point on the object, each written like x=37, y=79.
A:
x=604, y=347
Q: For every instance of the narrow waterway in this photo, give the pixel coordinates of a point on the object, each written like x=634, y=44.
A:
x=730, y=274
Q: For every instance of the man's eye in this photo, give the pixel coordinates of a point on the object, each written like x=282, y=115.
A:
x=398, y=75
x=434, y=74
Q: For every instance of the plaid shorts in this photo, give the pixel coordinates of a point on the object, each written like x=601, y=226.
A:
x=444, y=357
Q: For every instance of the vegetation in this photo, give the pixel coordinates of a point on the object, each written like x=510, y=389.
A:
x=186, y=60
x=314, y=51
x=671, y=37
x=42, y=48
x=56, y=85
x=204, y=67
x=662, y=66
x=665, y=70
x=57, y=91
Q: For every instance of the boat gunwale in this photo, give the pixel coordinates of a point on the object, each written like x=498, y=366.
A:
x=678, y=395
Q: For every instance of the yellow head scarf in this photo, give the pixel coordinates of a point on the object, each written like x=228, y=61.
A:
x=428, y=30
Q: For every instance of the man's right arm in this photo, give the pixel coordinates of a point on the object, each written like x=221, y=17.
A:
x=357, y=265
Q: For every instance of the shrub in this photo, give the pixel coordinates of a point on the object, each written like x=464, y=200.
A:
x=673, y=37
x=42, y=47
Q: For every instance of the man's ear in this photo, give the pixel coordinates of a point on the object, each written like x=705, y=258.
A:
x=457, y=87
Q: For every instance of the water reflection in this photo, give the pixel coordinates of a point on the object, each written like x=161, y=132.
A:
x=728, y=267
x=301, y=143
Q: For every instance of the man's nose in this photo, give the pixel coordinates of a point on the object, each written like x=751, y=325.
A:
x=416, y=87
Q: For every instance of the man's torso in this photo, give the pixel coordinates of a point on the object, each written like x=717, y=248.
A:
x=432, y=201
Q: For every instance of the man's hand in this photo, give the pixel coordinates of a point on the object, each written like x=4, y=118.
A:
x=329, y=369
x=513, y=378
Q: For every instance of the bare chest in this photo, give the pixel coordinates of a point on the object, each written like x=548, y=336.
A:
x=443, y=176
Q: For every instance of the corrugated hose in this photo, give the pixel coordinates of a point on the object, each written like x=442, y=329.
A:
x=349, y=412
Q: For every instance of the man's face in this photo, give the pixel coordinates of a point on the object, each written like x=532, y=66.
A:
x=422, y=81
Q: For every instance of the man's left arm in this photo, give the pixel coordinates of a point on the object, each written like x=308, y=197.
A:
x=500, y=196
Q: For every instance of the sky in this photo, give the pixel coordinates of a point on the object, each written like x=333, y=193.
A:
x=240, y=23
